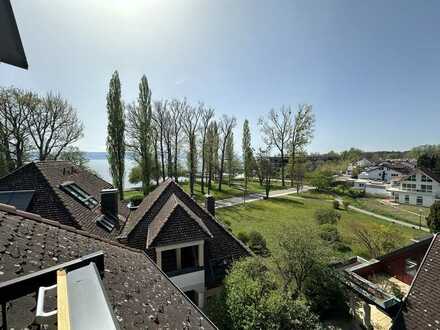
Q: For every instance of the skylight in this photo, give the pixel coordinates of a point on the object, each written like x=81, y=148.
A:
x=106, y=222
x=76, y=192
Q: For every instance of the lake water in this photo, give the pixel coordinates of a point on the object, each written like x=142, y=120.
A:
x=101, y=167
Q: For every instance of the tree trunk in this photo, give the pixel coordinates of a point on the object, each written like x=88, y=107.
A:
x=176, y=150
x=222, y=161
x=156, y=162
x=282, y=168
x=292, y=165
x=162, y=155
x=202, y=183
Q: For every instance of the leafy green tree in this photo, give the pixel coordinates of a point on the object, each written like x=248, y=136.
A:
x=433, y=218
x=325, y=294
x=116, y=134
x=247, y=152
x=206, y=117
x=322, y=180
x=254, y=301
x=300, y=250
x=135, y=175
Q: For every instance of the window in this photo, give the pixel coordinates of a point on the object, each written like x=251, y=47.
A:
x=76, y=192
x=189, y=256
x=419, y=200
x=410, y=267
x=426, y=178
x=407, y=199
x=429, y=188
x=169, y=261
x=412, y=178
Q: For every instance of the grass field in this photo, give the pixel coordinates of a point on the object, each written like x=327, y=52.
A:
x=407, y=213
x=227, y=191
x=270, y=217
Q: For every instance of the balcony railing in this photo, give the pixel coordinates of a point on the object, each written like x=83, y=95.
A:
x=185, y=271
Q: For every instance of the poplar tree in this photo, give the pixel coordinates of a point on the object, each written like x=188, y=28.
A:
x=115, y=134
x=247, y=152
x=140, y=134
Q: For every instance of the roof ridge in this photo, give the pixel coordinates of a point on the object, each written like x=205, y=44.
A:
x=416, y=276
x=36, y=217
x=18, y=169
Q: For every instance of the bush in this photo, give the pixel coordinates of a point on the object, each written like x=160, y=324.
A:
x=244, y=237
x=341, y=247
x=346, y=204
x=257, y=244
x=329, y=216
x=336, y=204
x=135, y=200
x=329, y=233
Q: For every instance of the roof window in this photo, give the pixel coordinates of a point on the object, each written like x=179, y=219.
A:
x=76, y=192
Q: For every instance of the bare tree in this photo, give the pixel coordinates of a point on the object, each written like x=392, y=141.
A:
x=206, y=117
x=264, y=167
x=156, y=171
x=160, y=118
x=276, y=129
x=190, y=122
x=302, y=134
x=15, y=108
x=227, y=124
x=53, y=125
x=177, y=109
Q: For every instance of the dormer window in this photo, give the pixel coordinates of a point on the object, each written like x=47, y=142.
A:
x=106, y=222
x=80, y=195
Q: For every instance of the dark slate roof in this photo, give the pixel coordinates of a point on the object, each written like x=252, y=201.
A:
x=221, y=249
x=176, y=223
x=142, y=297
x=421, y=308
x=49, y=201
x=431, y=174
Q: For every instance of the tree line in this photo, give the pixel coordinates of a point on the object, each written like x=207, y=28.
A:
x=158, y=132
x=35, y=126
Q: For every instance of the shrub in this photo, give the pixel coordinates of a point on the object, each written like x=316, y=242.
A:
x=136, y=199
x=257, y=243
x=324, y=216
x=329, y=233
x=341, y=247
x=244, y=237
x=336, y=204
x=346, y=204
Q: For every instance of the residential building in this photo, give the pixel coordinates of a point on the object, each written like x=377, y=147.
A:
x=69, y=194
x=363, y=163
x=385, y=172
x=382, y=288
x=370, y=187
x=139, y=294
x=421, y=187
x=184, y=239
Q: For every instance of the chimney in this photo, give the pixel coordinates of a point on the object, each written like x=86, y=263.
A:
x=109, y=202
x=210, y=204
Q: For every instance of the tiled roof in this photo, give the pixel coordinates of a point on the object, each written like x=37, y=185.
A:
x=142, y=297
x=176, y=223
x=221, y=249
x=53, y=203
x=421, y=308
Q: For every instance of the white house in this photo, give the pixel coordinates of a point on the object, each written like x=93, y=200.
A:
x=363, y=163
x=385, y=172
x=375, y=188
x=421, y=188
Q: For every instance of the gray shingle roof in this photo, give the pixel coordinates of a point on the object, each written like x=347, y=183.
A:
x=142, y=297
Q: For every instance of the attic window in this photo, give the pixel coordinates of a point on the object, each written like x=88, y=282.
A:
x=76, y=192
x=106, y=222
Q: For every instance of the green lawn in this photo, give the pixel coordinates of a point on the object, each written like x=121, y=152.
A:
x=227, y=191
x=407, y=213
x=270, y=217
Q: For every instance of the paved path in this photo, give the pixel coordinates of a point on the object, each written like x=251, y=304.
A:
x=255, y=197
x=402, y=223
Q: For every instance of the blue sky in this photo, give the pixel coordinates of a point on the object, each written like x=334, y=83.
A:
x=371, y=69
